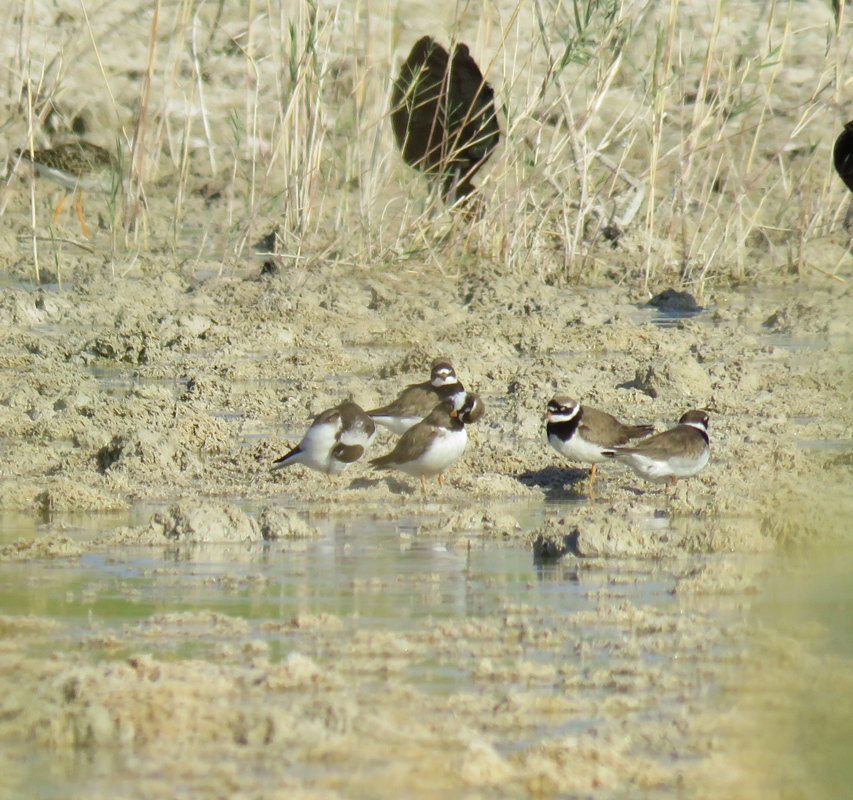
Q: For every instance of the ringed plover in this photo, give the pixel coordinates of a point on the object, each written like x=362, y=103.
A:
x=582, y=433
x=418, y=399
x=429, y=447
x=337, y=438
x=680, y=452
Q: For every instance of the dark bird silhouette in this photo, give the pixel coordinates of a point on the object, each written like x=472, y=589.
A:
x=443, y=115
x=842, y=155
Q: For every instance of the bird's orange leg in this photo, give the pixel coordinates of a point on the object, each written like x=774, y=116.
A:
x=79, y=208
x=441, y=480
x=591, y=482
x=423, y=484
x=59, y=208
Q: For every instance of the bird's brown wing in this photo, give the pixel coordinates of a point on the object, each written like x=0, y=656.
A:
x=683, y=439
x=416, y=400
x=347, y=454
x=605, y=430
x=417, y=439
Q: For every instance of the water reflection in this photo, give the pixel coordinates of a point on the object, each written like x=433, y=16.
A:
x=375, y=573
x=529, y=652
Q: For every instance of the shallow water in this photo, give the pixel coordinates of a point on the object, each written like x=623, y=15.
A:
x=375, y=576
x=376, y=573
x=811, y=603
x=383, y=577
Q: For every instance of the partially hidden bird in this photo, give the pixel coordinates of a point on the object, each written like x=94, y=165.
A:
x=443, y=115
x=679, y=452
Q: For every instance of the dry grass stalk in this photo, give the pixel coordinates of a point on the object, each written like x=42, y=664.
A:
x=643, y=143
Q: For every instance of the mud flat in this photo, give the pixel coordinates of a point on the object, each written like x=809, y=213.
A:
x=166, y=417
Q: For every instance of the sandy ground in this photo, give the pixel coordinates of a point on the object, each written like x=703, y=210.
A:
x=111, y=398
x=176, y=374
x=183, y=391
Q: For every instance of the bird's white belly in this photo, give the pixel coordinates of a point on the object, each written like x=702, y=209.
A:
x=357, y=436
x=70, y=181
x=446, y=448
x=660, y=471
x=685, y=467
x=317, y=448
x=577, y=449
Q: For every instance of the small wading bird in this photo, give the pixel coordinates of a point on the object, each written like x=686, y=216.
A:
x=842, y=157
x=680, y=452
x=76, y=166
x=581, y=433
x=418, y=399
x=337, y=438
x=443, y=115
x=429, y=447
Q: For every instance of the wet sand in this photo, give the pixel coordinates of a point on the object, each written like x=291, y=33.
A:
x=184, y=411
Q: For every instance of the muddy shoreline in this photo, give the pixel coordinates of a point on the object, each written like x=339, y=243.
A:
x=108, y=401
x=112, y=400
x=176, y=618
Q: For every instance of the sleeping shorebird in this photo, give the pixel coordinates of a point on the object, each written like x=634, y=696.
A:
x=680, y=452
x=337, y=438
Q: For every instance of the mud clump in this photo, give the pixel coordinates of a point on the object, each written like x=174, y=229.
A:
x=676, y=379
x=281, y=523
x=197, y=522
x=54, y=545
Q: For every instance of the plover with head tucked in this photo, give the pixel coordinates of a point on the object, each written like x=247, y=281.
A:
x=680, y=452
x=337, y=438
